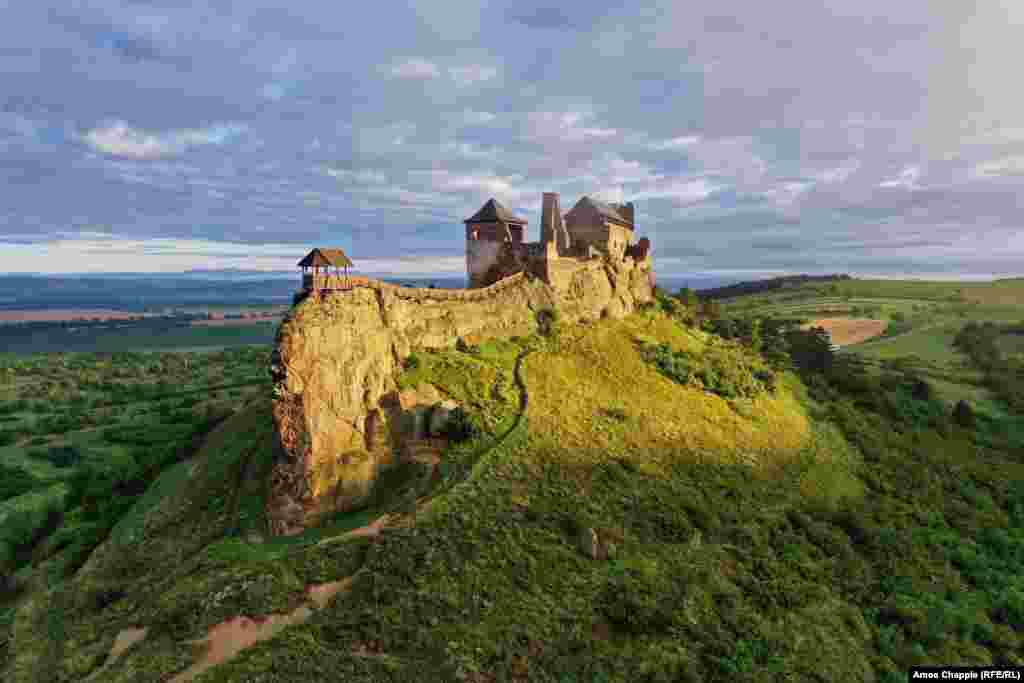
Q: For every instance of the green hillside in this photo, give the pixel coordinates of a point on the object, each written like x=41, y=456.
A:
x=632, y=500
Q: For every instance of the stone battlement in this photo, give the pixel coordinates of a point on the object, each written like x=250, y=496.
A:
x=339, y=350
x=325, y=284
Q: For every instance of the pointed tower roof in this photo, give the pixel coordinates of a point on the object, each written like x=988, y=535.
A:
x=493, y=211
x=327, y=257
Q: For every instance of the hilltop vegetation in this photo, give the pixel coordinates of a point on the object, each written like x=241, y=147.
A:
x=631, y=500
x=83, y=435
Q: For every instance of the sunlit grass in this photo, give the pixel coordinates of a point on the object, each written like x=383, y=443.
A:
x=598, y=368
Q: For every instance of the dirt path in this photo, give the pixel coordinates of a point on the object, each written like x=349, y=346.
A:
x=228, y=638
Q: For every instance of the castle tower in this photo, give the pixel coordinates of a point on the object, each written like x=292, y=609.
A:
x=607, y=227
x=552, y=229
x=486, y=232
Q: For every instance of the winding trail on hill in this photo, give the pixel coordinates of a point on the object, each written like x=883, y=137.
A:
x=524, y=394
x=227, y=639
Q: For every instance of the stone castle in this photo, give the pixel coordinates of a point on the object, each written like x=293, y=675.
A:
x=590, y=230
x=340, y=419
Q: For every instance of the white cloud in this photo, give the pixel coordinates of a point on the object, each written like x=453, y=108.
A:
x=675, y=143
x=416, y=69
x=616, y=171
x=907, y=179
x=93, y=252
x=121, y=140
x=840, y=173
x=468, y=150
x=471, y=117
x=551, y=126
x=683, y=191
x=733, y=158
x=360, y=177
x=444, y=181
x=472, y=74
x=1000, y=167
x=787, y=193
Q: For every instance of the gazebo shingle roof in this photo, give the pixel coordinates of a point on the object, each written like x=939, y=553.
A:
x=326, y=257
x=493, y=211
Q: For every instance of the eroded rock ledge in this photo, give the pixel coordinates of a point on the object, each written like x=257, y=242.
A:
x=338, y=417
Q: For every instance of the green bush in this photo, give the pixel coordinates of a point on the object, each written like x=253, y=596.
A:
x=722, y=369
x=25, y=526
x=58, y=456
x=10, y=407
x=640, y=598
x=15, y=481
x=547, y=321
x=462, y=426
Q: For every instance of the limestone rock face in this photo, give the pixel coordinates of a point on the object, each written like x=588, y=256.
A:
x=338, y=415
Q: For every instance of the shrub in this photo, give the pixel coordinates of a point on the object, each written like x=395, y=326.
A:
x=810, y=349
x=15, y=481
x=462, y=426
x=106, y=489
x=963, y=414
x=688, y=297
x=547, y=321
x=412, y=362
x=721, y=369
x=59, y=456
x=615, y=413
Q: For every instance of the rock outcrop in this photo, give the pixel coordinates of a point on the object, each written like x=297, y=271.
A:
x=338, y=416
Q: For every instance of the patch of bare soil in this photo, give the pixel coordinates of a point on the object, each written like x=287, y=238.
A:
x=321, y=593
x=227, y=639
x=124, y=640
x=846, y=331
x=58, y=314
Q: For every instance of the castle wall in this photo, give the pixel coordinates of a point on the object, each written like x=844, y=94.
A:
x=337, y=354
x=481, y=256
x=587, y=227
x=618, y=239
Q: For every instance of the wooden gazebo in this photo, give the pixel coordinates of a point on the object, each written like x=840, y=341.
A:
x=317, y=269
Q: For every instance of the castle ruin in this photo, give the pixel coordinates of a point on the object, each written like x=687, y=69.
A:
x=590, y=230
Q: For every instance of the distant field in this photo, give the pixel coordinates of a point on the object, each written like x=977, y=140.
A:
x=141, y=338
x=58, y=314
x=846, y=331
x=236, y=322
x=932, y=313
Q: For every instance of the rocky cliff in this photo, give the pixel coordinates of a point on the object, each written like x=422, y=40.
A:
x=338, y=417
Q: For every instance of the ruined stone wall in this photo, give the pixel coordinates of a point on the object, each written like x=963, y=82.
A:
x=337, y=413
x=481, y=256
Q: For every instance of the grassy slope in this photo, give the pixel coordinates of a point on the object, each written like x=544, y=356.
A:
x=724, y=571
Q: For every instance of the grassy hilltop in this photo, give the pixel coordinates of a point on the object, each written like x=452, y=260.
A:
x=631, y=500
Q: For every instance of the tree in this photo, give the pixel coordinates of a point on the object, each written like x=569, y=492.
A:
x=751, y=335
x=711, y=309
x=811, y=349
x=963, y=414
x=688, y=297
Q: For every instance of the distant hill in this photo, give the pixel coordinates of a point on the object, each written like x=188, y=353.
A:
x=743, y=288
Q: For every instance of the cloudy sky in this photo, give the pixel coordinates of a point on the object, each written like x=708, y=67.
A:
x=871, y=137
